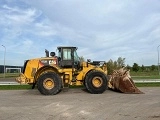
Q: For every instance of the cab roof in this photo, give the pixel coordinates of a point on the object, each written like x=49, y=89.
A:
x=67, y=47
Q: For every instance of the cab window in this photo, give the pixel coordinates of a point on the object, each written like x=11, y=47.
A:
x=66, y=54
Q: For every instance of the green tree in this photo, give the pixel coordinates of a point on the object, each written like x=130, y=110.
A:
x=110, y=66
x=82, y=59
x=148, y=68
x=135, y=67
x=113, y=65
x=121, y=62
x=153, y=67
x=128, y=67
x=142, y=68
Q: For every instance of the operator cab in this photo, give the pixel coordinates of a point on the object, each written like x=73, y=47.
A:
x=67, y=57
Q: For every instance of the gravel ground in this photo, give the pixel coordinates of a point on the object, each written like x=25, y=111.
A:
x=77, y=104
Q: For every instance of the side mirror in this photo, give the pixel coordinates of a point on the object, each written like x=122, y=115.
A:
x=88, y=60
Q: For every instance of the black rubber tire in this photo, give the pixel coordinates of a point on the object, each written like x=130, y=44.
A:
x=89, y=85
x=57, y=83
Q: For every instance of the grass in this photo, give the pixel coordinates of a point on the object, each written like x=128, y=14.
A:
x=8, y=75
x=147, y=84
x=145, y=75
x=15, y=87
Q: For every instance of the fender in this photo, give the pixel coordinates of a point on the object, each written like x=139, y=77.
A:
x=41, y=71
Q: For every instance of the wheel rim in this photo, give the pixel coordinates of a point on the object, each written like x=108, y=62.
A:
x=48, y=83
x=97, y=82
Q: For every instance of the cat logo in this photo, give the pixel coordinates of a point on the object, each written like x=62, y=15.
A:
x=52, y=62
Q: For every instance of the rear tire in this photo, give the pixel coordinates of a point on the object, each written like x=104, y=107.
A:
x=49, y=83
x=96, y=82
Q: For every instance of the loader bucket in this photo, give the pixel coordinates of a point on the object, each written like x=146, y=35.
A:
x=121, y=81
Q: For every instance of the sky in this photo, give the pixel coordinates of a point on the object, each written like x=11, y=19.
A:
x=101, y=29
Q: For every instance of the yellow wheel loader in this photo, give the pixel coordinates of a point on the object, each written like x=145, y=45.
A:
x=53, y=73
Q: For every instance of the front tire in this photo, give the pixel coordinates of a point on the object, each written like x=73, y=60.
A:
x=49, y=83
x=96, y=82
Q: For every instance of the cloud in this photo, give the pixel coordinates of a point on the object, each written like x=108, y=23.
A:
x=102, y=30
x=19, y=30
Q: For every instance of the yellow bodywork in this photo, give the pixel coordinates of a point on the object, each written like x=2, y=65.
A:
x=33, y=69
